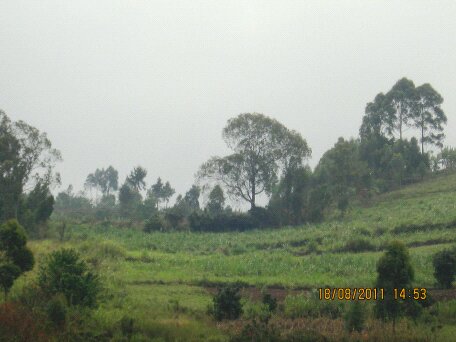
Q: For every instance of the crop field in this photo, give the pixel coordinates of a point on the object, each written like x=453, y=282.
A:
x=165, y=281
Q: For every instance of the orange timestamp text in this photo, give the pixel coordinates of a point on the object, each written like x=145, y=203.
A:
x=351, y=293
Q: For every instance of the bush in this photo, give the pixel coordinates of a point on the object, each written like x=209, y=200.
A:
x=445, y=267
x=227, y=303
x=256, y=311
x=56, y=310
x=359, y=245
x=110, y=249
x=15, y=257
x=355, y=317
x=262, y=218
x=205, y=222
x=64, y=272
x=154, y=224
x=270, y=301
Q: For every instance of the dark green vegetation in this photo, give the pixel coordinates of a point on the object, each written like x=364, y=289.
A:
x=16, y=258
x=126, y=265
x=165, y=282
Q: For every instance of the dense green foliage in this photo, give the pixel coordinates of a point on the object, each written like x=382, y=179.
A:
x=64, y=272
x=227, y=303
x=262, y=147
x=395, y=272
x=445, y=267
x=15, y=257
x=27, y=160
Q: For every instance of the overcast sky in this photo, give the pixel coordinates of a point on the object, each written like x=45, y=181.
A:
x=152, y=83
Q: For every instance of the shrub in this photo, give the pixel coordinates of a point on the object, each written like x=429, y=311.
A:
x=355, y=317
x=445, y=267
x=270, y=301
x=56, y=310
x=154, y=224
x=227, y=303
x=110, y=249
x=15, y=257
x=256, y=311
x=205, y=222
x=13, y=244
x=64, y=272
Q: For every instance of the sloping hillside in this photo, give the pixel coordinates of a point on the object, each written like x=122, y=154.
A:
x=166, y=280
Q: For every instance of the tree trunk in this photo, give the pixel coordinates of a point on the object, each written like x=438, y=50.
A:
x=422, y=137
x=252, y=202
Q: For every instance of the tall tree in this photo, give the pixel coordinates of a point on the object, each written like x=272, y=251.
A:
x=103, y=180
x=343, y=171
x=162, y=192
x=129, y=199
x=262, y=147
x=26, y=158
x=379, y=118
x=402, y=97
x=216, y=201
x=192, y=197
x=394, y=272
x=290, y=197
x=136, y=178
x=429, y=116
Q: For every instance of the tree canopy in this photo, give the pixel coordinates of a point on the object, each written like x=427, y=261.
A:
x=262, y=149
x=26, y=158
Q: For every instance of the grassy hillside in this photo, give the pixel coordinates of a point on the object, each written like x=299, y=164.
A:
x=160, y=279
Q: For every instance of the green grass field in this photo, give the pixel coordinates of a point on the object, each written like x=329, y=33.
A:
x=161, y=279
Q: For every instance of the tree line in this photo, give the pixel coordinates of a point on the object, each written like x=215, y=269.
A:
x=267, y=158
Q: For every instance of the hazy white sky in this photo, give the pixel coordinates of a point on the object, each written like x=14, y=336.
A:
x=152, y=83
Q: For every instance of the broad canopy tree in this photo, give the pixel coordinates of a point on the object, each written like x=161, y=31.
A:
x=262, y=149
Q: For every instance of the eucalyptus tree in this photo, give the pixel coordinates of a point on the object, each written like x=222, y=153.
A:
x=162, y=191
x=262, y=149
x=402, y=97
x=429, y=117
x=216, y=201
x=136, y=178
x=103, y=180
x=27, y=158
x=379, y=118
